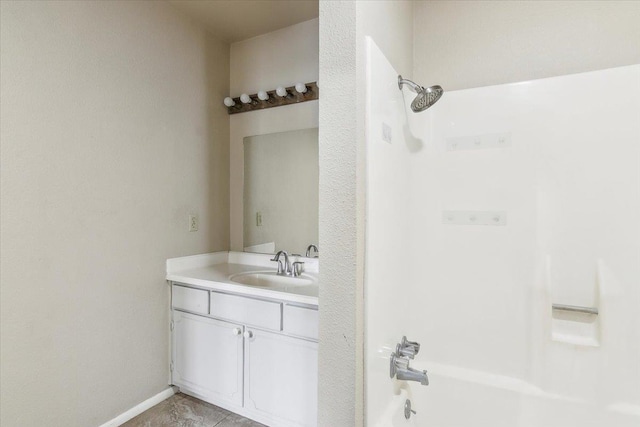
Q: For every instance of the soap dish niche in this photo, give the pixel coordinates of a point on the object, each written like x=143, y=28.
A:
x=576, y=325
x=574, y=312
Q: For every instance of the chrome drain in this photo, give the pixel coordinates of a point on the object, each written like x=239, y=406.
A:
x=407, y=409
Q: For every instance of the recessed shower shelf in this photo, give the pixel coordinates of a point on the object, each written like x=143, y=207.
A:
x=575, y=309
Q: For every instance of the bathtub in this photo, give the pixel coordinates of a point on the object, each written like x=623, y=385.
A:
x=458, y=397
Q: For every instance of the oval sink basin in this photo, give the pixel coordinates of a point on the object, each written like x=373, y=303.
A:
x=270, y=279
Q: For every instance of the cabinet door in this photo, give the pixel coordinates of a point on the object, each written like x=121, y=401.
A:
x=207, y=357
x=281, y=378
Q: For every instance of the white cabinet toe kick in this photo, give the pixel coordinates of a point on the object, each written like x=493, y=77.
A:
x=256, y=357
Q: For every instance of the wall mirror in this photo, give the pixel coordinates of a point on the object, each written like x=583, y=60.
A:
x=280, y=195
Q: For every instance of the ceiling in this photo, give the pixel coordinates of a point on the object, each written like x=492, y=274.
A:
x=235, y=20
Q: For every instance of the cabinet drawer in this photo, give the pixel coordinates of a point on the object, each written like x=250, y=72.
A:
x=249, y=311
x=195, y=300
x=301, y=321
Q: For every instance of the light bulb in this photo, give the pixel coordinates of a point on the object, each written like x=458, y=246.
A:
x=246, y=99
x=281, y=91
x=301, y=88
x=229, y=102
x=263, y=96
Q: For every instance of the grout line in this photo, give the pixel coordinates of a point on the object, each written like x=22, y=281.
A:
x=219, y=422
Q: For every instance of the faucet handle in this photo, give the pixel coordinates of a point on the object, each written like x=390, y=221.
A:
x=413, y=345
x=298, y=268
x=397, y=362
x=409, y=351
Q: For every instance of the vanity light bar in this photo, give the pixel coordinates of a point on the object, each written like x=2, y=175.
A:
x=274, y=98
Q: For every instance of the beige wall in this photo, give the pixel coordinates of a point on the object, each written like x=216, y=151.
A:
x=282, y=57
x=343, y=28
x=464, y=44
x=112, y=132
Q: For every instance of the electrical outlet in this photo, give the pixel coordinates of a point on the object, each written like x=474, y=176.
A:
x=193, y=222
x=258, y=219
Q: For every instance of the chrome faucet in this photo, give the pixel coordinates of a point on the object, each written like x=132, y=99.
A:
x=314, y=248
x=399, y=367
x=410, y=374
x=283, y=270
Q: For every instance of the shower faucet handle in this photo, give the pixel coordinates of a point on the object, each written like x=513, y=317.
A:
x=399, y=363
x=409, y=351
x=409, y=346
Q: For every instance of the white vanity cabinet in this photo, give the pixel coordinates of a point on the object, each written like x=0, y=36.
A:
x=281, y=377
x=207, y=356
x=254, y=356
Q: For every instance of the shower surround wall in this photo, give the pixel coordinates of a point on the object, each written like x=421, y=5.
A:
x=560, y=158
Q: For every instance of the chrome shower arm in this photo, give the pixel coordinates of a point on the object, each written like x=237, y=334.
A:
x=413, y=86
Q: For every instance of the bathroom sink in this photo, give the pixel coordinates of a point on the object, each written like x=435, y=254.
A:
x=270, y=279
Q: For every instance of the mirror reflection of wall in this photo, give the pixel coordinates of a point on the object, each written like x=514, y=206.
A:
x=281, y=191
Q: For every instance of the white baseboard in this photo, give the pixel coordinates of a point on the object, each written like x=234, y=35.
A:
x=140, y=408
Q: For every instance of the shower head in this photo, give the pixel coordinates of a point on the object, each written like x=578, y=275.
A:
x=425, y=98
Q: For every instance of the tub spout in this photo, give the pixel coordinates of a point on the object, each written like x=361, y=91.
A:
x=410, y=374
x=399, y=368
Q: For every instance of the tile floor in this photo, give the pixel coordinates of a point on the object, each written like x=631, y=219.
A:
x=181, y=410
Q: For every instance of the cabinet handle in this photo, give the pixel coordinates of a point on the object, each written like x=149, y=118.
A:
x=237, y=331
x=248, y=334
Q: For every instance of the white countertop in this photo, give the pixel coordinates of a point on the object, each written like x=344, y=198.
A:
x=212, y=271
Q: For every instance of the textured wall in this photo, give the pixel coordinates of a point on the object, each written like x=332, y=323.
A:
x=463, y=44
x=339, y=369
x=343, y=27
x=282, y=57
x=112, y=133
